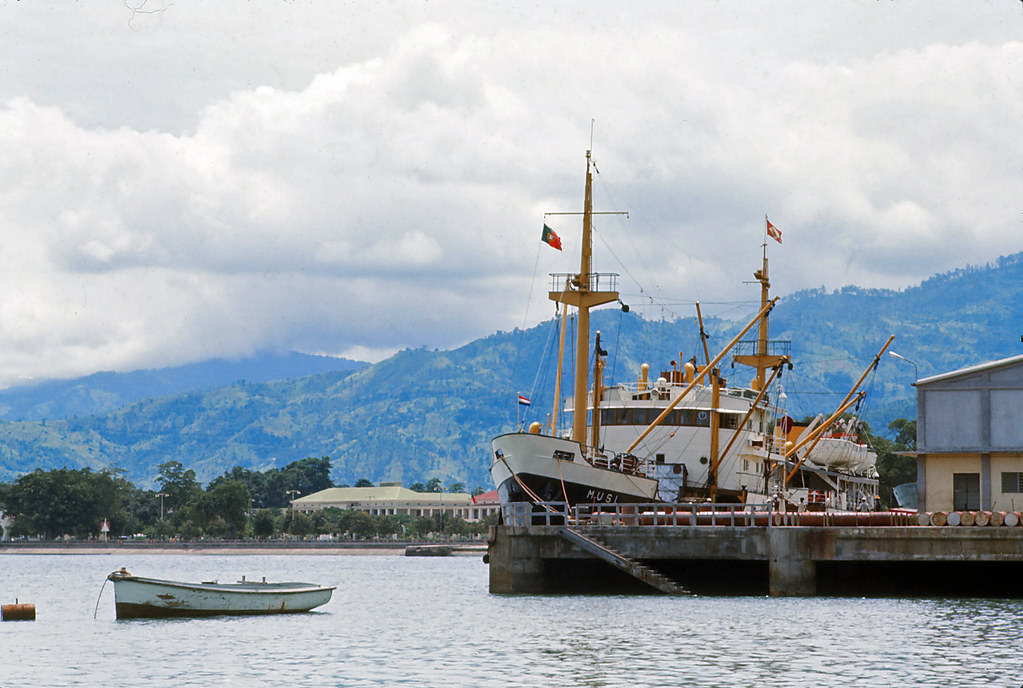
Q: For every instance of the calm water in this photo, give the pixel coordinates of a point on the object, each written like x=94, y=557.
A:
x=431, y=622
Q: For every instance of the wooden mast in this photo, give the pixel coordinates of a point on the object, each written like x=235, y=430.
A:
x=583, y=293
x=557, y=379
x=598, y=392
x=760, y=360
x=715, y=426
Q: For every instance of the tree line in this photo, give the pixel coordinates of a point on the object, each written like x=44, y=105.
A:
x=238, y=504
x=894, y=469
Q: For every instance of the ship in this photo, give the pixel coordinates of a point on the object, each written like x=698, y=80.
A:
x=686, y=436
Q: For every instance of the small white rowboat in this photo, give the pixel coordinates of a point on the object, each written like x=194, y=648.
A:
x=137, y=597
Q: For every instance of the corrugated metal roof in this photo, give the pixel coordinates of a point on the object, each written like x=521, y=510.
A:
x=971, y=370
x=385, y=493
x=487, y=498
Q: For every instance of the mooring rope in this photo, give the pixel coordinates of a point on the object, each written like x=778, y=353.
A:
x=101, y=588
x=529, y=493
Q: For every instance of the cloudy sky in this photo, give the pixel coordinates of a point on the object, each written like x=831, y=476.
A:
x=191, y=179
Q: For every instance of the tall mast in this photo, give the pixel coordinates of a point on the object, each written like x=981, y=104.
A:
x=760, y=360
x=583, y=292
x=557, y=380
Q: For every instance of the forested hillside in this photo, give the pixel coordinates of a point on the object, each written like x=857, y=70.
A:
x=107, y=391
x=430, y=414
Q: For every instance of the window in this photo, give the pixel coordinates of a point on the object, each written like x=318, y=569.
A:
x=1012, y=482
x=614, y=416
x=966, y=491
x=730, y=421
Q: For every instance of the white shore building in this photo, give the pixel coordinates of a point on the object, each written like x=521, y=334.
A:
x=393, y=499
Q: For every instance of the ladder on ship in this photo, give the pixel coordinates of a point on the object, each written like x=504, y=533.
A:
x=639, y=571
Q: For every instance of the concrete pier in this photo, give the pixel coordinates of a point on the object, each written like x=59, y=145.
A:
x=775, y=560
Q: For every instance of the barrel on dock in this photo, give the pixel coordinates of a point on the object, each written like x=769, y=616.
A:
x=19, y=611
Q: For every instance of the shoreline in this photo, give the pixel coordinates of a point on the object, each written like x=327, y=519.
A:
x=236, y=548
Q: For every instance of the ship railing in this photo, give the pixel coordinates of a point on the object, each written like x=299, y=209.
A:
x=540, y=514
x=690, y=515
x=595, y=281
x=686, y=514
x=774, y=347
x=613, y=461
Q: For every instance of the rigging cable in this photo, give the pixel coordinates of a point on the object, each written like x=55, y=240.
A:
x=541, y=366
x=639, y=254
x=532, y=283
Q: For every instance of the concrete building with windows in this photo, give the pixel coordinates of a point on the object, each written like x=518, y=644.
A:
x=969, y=438
x=393, y=499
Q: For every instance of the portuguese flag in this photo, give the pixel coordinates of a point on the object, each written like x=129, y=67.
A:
x=549, y=237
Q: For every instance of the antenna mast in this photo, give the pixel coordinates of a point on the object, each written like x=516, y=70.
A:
x=582, y=290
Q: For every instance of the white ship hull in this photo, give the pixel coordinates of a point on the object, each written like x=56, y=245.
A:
x=529, y=466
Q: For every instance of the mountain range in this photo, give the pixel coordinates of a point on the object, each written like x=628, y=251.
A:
x=424, y=413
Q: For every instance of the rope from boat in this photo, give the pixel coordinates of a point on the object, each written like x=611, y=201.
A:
x=529, y=493
x=99, y=597
x=564, y=492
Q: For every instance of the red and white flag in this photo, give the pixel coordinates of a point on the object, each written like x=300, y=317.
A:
x=773, y=231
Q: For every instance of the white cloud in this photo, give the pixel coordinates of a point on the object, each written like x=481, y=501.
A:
x=362, y=179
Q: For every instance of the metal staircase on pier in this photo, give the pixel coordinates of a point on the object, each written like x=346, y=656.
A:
x=639, y=571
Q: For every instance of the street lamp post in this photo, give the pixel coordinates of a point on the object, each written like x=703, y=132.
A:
x=161, y=495
x=916, y=374
x=292, y=493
